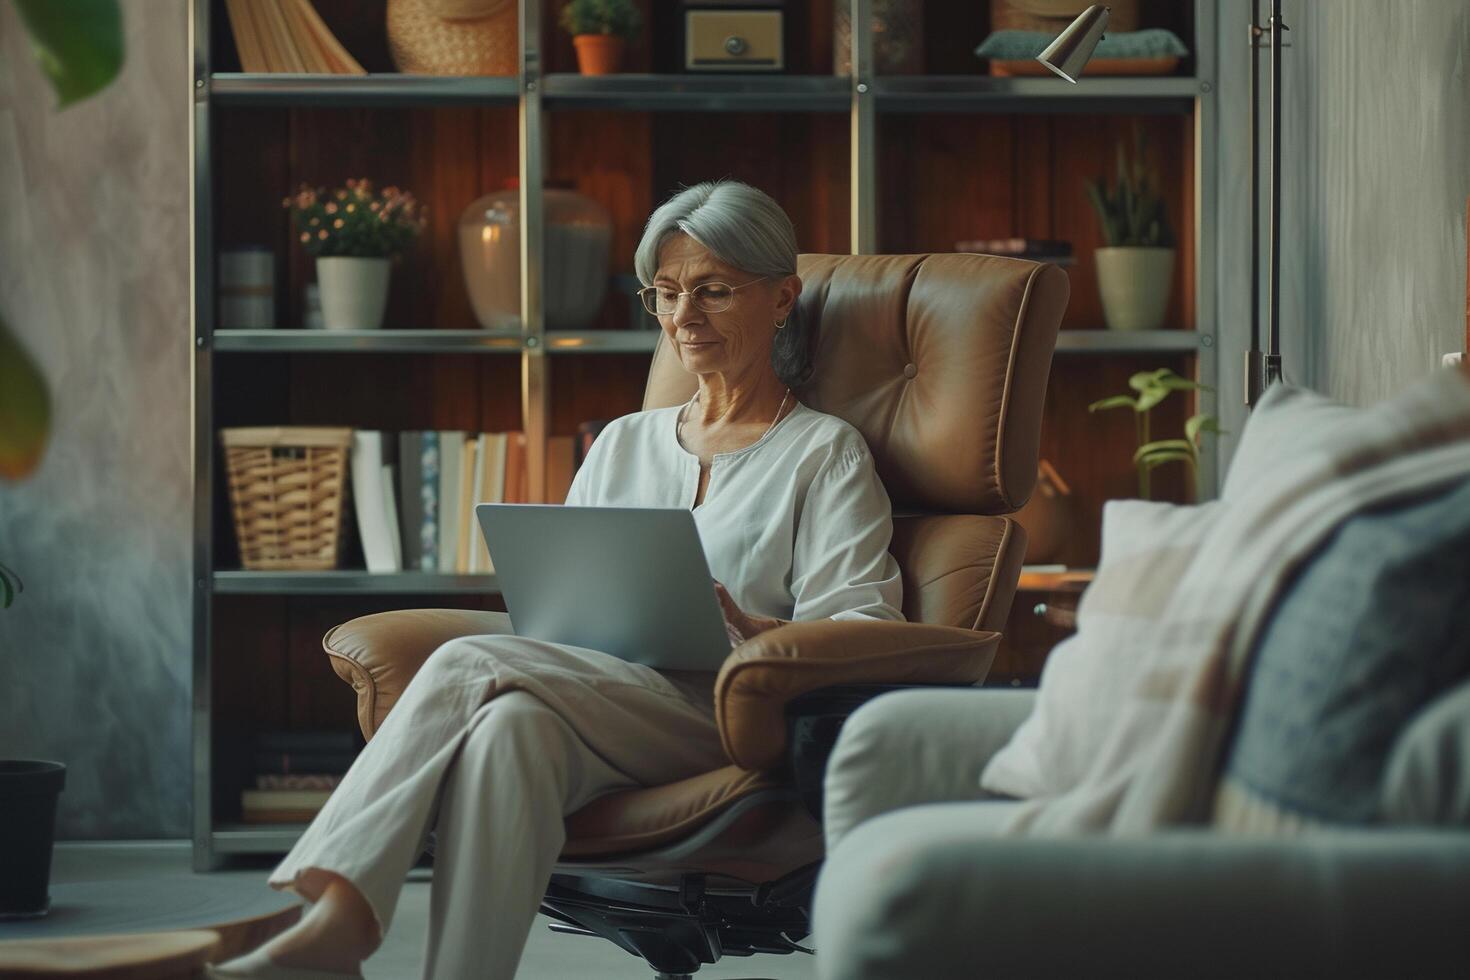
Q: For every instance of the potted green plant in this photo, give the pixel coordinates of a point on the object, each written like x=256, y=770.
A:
x=1153, y=387
x=1136, y=266
x=79, y=46
x=355, y=232
x=600, y=31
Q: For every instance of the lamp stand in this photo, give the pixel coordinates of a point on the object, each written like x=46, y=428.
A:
x=1263, y=369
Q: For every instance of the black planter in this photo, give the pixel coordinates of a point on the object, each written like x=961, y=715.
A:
x=28, y=794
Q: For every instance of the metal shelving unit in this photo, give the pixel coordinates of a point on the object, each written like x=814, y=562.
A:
x=352, y=582
x=864, y=97
x=613, y=341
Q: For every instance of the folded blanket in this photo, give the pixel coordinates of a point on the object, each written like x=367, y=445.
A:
x=1305, y=465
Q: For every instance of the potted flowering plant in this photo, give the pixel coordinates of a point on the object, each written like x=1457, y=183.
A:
x=355, y=232
x=600, y=30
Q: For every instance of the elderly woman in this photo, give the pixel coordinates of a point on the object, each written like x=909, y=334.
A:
x=498, y=737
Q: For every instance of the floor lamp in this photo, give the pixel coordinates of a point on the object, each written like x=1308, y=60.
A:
x=1068, y=55
x=1262, y=370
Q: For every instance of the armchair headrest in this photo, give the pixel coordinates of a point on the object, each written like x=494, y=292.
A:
x=940, y=361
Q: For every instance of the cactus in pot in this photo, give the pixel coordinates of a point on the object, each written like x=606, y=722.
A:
x=1134, y=269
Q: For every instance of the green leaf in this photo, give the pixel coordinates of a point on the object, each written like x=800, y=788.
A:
x=25, y=409
x=1143, y=380
x=79, y=43
x=1151, y=397
x=10, y=585
x=1197, y=424
x=1161, y=446
x=1157, y=459
x=1117, y=401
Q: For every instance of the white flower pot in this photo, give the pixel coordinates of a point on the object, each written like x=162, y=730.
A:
x=354, y=291
x=1134, y=283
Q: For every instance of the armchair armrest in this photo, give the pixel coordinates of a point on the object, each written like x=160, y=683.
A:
x=766, y=672
x=379, y=654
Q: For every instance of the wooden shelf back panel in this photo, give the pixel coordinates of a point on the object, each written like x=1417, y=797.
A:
x=947, y=178
x=1094, y=452
x=801, y=160
x=446, y=157
x=604, y=386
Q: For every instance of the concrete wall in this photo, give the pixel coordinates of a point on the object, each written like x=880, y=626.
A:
x=1376, y=160
x=94, y=277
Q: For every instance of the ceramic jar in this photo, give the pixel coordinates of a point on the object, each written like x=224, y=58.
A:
x=578, y=234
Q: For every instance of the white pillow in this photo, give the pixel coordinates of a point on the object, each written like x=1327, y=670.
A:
x=1145, y=548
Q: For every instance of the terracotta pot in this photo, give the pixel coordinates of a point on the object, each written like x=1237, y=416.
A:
x=599, y=54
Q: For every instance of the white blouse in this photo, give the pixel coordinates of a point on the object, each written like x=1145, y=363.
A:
x=796, y=525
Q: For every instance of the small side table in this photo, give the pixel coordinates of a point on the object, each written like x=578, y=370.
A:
x=155, y=927
x=1043, y=614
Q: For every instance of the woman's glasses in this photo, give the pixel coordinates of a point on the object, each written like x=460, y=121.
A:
x=707, y=297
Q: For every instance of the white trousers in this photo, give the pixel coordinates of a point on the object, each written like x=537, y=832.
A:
x=494, y=740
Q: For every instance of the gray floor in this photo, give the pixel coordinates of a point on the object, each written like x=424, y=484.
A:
x=548, y=956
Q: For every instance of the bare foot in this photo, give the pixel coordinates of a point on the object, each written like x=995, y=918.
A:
x=337, y=933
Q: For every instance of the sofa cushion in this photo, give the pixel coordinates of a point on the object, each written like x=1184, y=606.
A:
x=1145, y=548
x=1427, y=780
x=1369, y=631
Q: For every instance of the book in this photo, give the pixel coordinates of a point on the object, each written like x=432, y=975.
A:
x=378, y=547
x=469, y=464
x=429, y=503
x=295, y=781
x=312, y=741
x=272, y=20
x=281, y=805
x=451, y=458
x=517, y=480
x=410, y=500
x=489, y=489
x=390, y=514
x=286, y=36
x=281, y=762
x=559, y=467
x=587, y=433
x=247, y=41
x=1015, y=246
x=319, y=47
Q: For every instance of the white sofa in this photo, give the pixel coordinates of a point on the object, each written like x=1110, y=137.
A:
x=915, y=886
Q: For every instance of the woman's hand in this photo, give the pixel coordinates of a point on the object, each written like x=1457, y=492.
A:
x=739, y=625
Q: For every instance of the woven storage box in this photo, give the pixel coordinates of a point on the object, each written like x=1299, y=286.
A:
x=1053, y=15
x=287, y=489
x=454, y=37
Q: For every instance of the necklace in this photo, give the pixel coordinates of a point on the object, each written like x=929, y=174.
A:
x=679, y=430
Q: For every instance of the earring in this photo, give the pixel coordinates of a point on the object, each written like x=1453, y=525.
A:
x=781, y=324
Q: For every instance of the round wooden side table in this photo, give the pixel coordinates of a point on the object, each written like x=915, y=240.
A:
x=158, y=928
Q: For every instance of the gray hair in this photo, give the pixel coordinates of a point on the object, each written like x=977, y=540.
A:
x=743, y=227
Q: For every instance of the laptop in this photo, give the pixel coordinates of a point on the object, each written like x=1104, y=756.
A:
x=629, y=581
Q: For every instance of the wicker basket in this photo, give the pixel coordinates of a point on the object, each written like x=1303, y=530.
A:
x=1053, y=15
x=287, y=488
x=454, y=37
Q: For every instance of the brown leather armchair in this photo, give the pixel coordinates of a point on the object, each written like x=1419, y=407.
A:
x=941, y=361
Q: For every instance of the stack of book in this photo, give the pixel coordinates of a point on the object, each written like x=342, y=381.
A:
x=287, y=36
x=295, y=772
x=1035, y=249
x=414, y=494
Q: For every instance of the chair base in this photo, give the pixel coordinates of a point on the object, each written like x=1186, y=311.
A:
x=677, y=929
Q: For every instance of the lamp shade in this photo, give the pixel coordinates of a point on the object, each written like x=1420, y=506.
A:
x=1073, y=48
